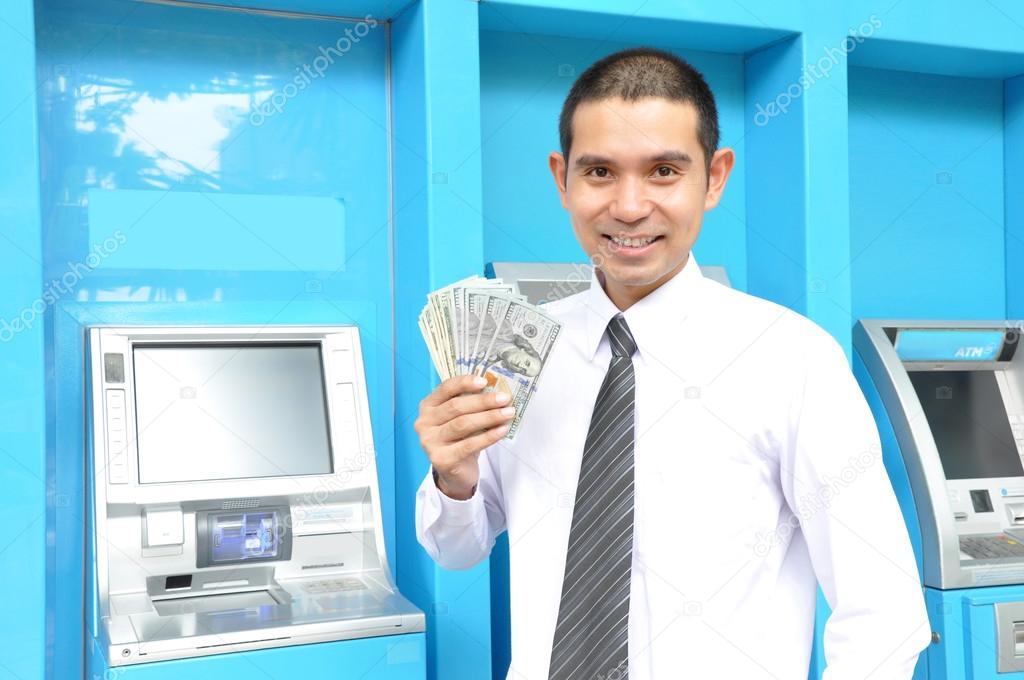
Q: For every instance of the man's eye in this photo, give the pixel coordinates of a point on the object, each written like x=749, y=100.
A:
x=665, y=171
x=598, y=172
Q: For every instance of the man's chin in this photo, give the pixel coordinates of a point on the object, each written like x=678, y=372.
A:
x=631, y=278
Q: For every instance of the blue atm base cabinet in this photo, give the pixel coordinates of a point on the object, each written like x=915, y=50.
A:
x=394, y=657
x=968, y=644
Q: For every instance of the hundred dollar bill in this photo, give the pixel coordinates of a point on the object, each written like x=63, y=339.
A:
x=480, y=321
x=494, y=332
x=429, y=332
x=517, y=352
x=440, y=329
x=440, y=303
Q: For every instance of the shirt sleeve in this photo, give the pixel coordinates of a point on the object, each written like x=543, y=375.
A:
x=458, y=534
x=835, y=482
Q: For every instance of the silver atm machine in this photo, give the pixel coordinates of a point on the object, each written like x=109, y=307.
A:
x=234, y=494
x=949, y=401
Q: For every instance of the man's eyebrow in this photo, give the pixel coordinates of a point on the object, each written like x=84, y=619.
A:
x=590, y=159
x=672, y=156
x=664, y=157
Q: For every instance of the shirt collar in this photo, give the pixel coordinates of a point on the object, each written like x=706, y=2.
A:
x=650, y=319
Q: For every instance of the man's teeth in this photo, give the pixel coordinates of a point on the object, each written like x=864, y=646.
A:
x=632, y=242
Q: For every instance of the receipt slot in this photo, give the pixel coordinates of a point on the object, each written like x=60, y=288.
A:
x=235, y=508
x=948, y=398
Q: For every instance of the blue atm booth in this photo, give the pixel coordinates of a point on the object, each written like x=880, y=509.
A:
x=235, y=510
x=949, y=401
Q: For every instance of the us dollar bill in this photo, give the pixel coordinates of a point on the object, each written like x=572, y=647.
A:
x=481, y=322
x=479, y=326
x=516, y=353
x=440, y=303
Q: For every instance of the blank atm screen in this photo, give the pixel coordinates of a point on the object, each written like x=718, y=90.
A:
x=230, y=412
x=968, y=420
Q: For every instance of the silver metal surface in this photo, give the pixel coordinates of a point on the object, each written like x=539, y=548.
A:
x=944, y=508
x=1009, y=636
x=549, y=281
x=155, y=602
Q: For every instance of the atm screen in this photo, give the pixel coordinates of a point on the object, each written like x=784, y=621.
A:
x=968, y=420
x=206, y=412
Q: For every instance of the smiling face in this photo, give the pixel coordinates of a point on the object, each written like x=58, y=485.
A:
x=636, y=189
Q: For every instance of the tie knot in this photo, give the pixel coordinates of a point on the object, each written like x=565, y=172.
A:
x=623, y=344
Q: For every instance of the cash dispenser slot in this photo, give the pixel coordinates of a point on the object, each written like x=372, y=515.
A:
x=203, y=604
x=205, y=593
x=1010, y=636
x=1015, y=513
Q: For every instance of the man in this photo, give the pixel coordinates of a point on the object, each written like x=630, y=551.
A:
x=695, y=459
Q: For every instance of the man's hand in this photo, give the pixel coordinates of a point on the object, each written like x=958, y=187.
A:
x=455, y=424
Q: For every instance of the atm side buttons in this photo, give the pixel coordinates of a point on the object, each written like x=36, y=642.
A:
x=117, y=438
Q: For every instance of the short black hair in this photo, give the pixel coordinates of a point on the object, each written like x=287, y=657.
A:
x=638, y=73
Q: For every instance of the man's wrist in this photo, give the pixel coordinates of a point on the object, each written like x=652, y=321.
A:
x=443, y=488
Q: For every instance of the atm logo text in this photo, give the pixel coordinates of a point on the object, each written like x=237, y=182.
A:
x=973, y=352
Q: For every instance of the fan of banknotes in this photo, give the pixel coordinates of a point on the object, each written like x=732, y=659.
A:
x=479, y=326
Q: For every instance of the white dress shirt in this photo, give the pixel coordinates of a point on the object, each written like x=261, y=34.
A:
x=758, y=474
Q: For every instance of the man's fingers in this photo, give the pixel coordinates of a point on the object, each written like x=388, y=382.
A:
x=465, y=427
x=479, y=442
x=467, y=404
x=452, y=387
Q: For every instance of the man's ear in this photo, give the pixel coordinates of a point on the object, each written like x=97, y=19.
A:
x=721, y=165
x=557, y=164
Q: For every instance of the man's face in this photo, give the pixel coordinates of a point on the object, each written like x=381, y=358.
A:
x=636, y=189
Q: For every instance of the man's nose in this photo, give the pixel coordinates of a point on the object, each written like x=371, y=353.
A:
x=631, y=203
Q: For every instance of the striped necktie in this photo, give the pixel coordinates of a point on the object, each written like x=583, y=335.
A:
x=591, y=633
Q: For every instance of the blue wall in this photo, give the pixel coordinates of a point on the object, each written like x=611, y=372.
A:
x=438, y=240
x=25, y=481
x=418, y=157
x=926, y=195
x=1013, y=155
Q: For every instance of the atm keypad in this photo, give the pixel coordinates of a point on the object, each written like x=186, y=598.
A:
x=991, y=547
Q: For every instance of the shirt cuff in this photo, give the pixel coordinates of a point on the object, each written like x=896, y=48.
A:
x=455, y=512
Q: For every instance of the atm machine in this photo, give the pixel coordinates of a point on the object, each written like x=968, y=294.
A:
x=948, y=398
x=235, y=509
